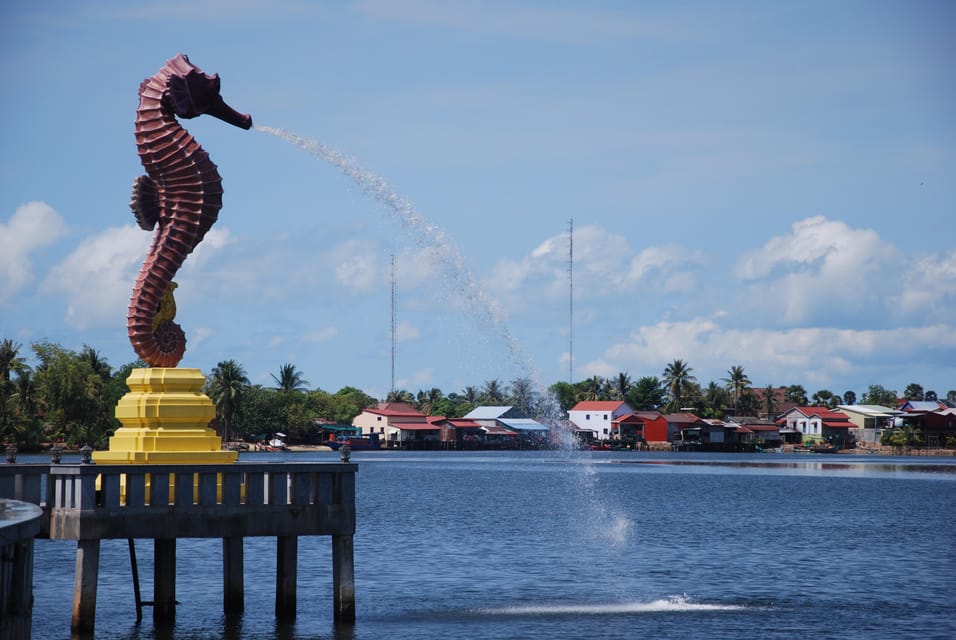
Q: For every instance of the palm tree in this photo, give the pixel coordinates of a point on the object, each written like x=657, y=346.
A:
x=622, y=384
x=589, y=390
x=471, y=395
x=289, y=379
x=715, y=399
x=523, y=397
x=26, y=398
x=400, y=395
x=426, y=400
x=492, y=393
x=769, y=401
x=99, y=366
x=226, y=387
x=736, y=382
x=676, y=377
x=9, y=358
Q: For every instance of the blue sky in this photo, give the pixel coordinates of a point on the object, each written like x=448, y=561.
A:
x=764, y=184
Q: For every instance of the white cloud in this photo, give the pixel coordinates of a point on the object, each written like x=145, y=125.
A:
x=604, y=265
x=32, y=226
x=97, y=278
x=771, y=356
x=930, y=287
x=822, y=270
x=357, y=266
x=212, y=244
x=405, y=331
x=199, y=335
x=418, y=379
x=323, y=334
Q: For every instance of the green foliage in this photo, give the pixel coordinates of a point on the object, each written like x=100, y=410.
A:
x=736, y=382
x=289, y=379
x=914, y=391
x=877, y=394
x=647, y=394
x=797, y=395
x=226, y=386
x=73, y=395
x=564, y=393
x=902, y=437
x=677, y=376
x=748, y=404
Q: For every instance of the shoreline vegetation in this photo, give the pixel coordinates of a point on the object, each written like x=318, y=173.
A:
x=69, y=397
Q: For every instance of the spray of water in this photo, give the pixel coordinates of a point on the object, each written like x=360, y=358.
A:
x=444, y=252
x=602, y=519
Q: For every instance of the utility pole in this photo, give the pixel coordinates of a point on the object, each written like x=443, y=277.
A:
x=571, y=301
x=393, y=323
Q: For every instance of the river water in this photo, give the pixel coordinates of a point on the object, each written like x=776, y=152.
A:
x=490, y=545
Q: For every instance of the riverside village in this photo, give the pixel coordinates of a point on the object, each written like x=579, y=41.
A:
x=613, y=425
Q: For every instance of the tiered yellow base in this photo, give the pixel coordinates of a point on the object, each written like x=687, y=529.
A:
x=165, y=417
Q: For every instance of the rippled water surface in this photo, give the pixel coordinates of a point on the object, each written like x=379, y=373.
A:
x=583, y=545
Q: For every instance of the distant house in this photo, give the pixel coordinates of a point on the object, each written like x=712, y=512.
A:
x=686, y=428
x=869, y=420
x=506, y=426
x=458, y=433
x=639, y=427
x=818, y=424
x=596, y=416
x=389, y=419
x=935, y=421
x=765, y=432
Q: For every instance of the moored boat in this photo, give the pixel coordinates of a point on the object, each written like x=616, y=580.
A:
x=355, y=443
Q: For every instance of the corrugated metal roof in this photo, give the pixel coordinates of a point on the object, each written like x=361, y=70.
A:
x=523, y=424
x=487, y=413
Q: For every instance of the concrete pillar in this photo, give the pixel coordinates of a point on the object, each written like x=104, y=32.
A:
x=343, y=579
x=164, y=582
x=286, y=552
x=84, y=586
x=232, y=575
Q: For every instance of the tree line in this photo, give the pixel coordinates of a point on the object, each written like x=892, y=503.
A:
x=70, y=396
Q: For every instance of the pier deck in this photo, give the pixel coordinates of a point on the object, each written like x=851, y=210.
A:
x=88, y=503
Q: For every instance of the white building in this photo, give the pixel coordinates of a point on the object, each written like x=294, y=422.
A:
x=596, y=416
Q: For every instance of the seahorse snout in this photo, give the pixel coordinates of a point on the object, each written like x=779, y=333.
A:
x=224, y=112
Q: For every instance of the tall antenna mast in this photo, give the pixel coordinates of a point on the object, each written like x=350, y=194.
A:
x=393, y=322
x=571, y=301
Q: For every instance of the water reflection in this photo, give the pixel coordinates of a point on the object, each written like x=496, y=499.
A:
x=808, y=465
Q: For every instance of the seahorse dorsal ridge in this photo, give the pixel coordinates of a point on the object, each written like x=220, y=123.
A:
x=180, y=196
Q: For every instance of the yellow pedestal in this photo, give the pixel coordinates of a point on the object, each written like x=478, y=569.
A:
x=165, y=417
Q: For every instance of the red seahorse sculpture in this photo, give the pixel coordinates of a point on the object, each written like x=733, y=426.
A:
x=181, y=193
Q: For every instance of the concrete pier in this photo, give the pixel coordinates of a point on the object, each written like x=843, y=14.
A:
x=165, y=503
x=19, y=524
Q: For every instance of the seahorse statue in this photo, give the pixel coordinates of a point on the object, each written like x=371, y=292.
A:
x=181, y=193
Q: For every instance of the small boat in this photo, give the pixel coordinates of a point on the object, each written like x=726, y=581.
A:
x=277, y=443
x=825, y=448
x=355, y=443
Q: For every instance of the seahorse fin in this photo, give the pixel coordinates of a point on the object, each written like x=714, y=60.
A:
x=145, y=203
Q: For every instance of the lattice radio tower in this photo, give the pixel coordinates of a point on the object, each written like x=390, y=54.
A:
x=393, y=323
x=571, y=301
